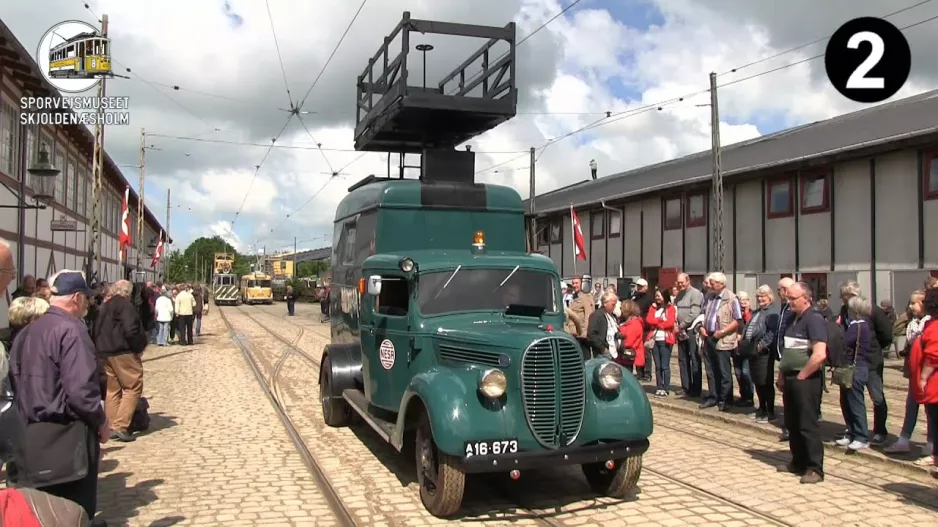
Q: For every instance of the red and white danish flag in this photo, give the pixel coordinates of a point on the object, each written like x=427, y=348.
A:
x=579, y=246
x=125, y=240
x=159, y=251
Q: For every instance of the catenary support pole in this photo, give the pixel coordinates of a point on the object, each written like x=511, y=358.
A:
x=166, y=235
x=293, y=273
x=140, y=191
x=717, y=180
x=531, y=193
x=93, y=272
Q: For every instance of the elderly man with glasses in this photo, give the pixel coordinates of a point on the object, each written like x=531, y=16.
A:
x=801, y=381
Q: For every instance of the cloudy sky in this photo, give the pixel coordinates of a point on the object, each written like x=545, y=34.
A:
x=601, y=55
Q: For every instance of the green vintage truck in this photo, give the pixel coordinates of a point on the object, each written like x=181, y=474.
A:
x=446, y=333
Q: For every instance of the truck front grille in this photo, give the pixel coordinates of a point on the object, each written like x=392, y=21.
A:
x=554, y=390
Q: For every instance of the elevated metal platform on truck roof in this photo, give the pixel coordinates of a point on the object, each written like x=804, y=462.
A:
x=392, y=115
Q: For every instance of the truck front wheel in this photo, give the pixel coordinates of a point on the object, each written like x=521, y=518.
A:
x=441, y=482
x=620, y=482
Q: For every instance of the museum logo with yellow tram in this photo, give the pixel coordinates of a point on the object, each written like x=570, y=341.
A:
x=74, y=56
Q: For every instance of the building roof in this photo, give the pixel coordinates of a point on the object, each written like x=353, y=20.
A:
x=28, y=75
x=907, y=118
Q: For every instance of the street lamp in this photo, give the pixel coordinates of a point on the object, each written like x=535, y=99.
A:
x=593, y=168
x=44, y=177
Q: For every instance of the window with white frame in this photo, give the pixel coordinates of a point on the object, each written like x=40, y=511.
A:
x=30, y=150
x=45, y=143
x=7, y=153
x=71, y=184
x=82, y=198
x=60, y=181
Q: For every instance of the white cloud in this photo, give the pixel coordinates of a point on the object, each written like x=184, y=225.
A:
x=567, y=68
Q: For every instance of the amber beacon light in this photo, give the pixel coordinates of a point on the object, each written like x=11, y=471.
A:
x=478, y=242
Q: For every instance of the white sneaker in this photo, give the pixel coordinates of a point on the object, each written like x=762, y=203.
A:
x=901, y=446
x=857, y=445
x=843, y=441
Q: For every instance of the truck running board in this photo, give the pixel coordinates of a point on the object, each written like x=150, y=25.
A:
x=356, y=399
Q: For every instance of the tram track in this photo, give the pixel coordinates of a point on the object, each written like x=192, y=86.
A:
x=342, y=514
x=782, y=459
x=532, y=514
x=541, y=517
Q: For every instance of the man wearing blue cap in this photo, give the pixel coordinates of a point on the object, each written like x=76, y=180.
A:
x=55, y=377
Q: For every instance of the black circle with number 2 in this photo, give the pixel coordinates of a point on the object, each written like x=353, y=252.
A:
x=868, y=59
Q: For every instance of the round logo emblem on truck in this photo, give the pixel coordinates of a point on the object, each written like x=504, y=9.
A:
x=386, y=354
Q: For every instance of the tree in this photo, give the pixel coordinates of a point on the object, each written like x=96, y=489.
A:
x=195, y=263
x=306, y=269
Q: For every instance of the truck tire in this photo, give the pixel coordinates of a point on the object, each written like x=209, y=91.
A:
x=335, y=412
x=620, y=482
x=441, y=482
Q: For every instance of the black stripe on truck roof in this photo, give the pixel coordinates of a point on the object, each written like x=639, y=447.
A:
x=448, y=195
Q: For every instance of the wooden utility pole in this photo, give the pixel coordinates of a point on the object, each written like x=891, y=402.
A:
x=533, y=236
x=293, y=273
x=140, y=191
x=717, y=180
x=166, y=235
x=97, y=168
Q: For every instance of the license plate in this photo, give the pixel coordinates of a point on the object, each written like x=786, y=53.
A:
x=495, y=447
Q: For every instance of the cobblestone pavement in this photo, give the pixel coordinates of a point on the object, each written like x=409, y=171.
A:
x=216, y=453
x=698, y=471
x=832, y=417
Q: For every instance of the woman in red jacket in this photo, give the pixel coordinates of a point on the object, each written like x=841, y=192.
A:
x=632, y=330
x=660, y=319
x=923, y=368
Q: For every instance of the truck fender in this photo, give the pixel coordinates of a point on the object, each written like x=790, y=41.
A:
x=446, y=403
x=346, y=366
x=626, y=414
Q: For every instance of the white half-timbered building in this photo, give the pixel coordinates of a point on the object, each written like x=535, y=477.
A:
x=853, y=197
x=36, y=248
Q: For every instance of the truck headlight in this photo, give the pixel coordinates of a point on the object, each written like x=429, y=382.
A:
x=609, y=376
x=493, y=383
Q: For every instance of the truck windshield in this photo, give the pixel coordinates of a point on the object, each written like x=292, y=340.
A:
x=485, y=290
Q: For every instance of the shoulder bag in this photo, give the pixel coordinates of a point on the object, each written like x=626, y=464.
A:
x=843, y=375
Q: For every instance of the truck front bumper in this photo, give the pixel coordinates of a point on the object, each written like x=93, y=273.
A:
x=578, y=455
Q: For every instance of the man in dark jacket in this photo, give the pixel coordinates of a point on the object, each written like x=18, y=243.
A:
x=291, y=301
x=120, y=338
x=882, y=333
x=55, y=378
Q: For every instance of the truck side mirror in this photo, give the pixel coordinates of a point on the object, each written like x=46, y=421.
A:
x=374, y=285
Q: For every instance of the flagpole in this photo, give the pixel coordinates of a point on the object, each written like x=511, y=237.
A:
x=573, y=238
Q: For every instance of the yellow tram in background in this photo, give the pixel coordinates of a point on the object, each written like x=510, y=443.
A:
x=84, y=56
x=256, y=288
x=224, y=281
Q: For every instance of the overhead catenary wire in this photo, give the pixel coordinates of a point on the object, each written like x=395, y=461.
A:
x=257, y=169
x=523, y=40
x=816, y=41
x=292, y=146
x=615, y=117
x=332, y=55
x=283, y=70
x=318, y=144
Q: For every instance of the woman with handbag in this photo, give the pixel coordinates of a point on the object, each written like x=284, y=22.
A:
x=757, y=337
x=631, y=336
x=915, y=324
x=852, y=378
x=661, y=318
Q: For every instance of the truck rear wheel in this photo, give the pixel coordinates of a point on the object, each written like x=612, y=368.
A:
x=620, y=482
x=335, y=412
x=441, y=482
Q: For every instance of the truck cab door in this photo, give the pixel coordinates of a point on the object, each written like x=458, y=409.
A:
x=386, y=341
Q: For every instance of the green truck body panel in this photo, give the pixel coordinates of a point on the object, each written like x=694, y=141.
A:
x=435, y=360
